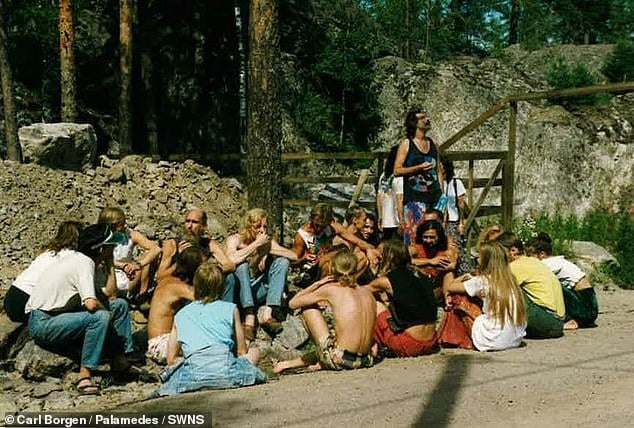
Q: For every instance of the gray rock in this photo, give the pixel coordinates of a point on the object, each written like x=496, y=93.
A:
x=590, y=255
x=59, y=145
x=35, y=363
x=43, y=389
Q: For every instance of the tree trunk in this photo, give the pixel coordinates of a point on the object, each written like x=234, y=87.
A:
x=126, y=18
x=242, y=79
x=514, y=20
x=264, y=127
x=10, y=121
x=67, y=61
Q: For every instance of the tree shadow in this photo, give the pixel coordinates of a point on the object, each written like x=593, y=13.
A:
x=442, y=400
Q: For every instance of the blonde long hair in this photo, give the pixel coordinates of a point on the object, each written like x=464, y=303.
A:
x=504, y=294
x=252, y=218
x=344, y=266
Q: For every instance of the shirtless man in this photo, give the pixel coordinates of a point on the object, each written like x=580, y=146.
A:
x=261, y=270
x=354, y=310
x=193, y=233
x=171, y=294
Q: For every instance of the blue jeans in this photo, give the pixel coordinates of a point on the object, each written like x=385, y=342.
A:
x=53, y=331
x=212, y=367
x=268, y=287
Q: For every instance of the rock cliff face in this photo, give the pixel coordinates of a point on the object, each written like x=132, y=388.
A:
x=568, y=159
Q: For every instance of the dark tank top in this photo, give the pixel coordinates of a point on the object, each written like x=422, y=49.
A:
x=413, y=300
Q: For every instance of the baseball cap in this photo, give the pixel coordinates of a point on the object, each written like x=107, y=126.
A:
x=97, y=235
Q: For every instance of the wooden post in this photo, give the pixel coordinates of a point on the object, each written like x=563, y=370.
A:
x=470, y=185
x=359, y=187
x=509, y=170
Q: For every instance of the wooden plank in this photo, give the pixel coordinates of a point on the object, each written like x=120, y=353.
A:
x=471, y=182
x=312, y=202
x=329, y=179
x=475, y=155
x=613, y=88
x=509, y=170
x=483, y=195
x=359, y=187
x=333, y=155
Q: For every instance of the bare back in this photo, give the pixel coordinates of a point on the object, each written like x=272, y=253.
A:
x=355, y=314
x=170, y=295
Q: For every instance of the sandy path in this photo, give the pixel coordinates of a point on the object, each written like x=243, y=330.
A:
x=584, y=379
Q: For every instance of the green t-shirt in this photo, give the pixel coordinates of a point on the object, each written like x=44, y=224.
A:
x=541, y=285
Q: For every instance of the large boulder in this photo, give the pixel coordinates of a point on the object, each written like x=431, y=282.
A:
x=59, y=145
x=35, y=363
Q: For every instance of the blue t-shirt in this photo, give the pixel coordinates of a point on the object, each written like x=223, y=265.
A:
x=199, y=325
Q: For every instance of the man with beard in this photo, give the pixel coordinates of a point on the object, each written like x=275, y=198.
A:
x=193, y=234
x=431, y=254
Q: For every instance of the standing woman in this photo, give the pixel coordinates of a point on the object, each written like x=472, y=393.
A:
x=417, y=162
x=456, y=192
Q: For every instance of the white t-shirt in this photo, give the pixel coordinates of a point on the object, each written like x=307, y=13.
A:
x=74, y=274
x=123, y=252
x=42, y=263
x=452, y=197
x=388, y=192
x=487, y=333
x=567, y=272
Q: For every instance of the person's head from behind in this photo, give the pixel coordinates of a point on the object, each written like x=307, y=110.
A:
x=187, y=261
x=432, y=214
x=416, y=118
x=254, y=222
x=209, y=282
x=66, y=238
x=390, y=161
x=355, y=216
x=540, y=246
x=113, y=217
x=321, y=217
x=195, y=224
x=344, y=267
x=511, y=243
x=394, y=255
x=431, y=235
x=97, y=241
x=505, y=296
x=448, y=169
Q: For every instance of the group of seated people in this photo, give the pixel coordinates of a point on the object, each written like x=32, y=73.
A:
x=361, y=297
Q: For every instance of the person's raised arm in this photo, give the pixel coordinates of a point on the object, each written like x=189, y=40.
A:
x=166, y=267
x=238, y=255
x=310, y=295
x=219, y=254
x=278, y=250
x=379, y=285
x=299, y=246
x=350, y=237
x=152, y=249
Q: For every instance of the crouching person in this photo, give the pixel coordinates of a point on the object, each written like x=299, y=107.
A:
x=349, y=345
x=206, y=347
x=65, y=309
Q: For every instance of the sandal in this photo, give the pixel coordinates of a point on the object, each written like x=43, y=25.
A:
x=88, y=388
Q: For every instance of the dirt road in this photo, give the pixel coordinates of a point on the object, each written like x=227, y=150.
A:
x=585, y=379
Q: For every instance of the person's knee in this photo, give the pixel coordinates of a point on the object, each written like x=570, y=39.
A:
x=100, y=316
x=118, y=307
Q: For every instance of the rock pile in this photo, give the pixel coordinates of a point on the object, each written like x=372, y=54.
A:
x=155, y=196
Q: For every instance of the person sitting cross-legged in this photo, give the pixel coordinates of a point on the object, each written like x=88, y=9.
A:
x=65, y=309
x=206, y=347
x=407, y=326
x=580, y=299
x=545, y=307
x=349, y=346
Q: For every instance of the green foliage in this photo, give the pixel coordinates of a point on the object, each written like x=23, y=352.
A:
x=619, y=67
x=564, y=75
x=612, y=231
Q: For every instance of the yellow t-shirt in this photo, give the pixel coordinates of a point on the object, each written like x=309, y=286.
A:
x=541, y=285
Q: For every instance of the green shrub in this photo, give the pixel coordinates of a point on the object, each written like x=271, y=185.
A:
x=565, y=75
x=619, y=67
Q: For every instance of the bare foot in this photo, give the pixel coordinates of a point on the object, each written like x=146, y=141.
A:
x=571, y=325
